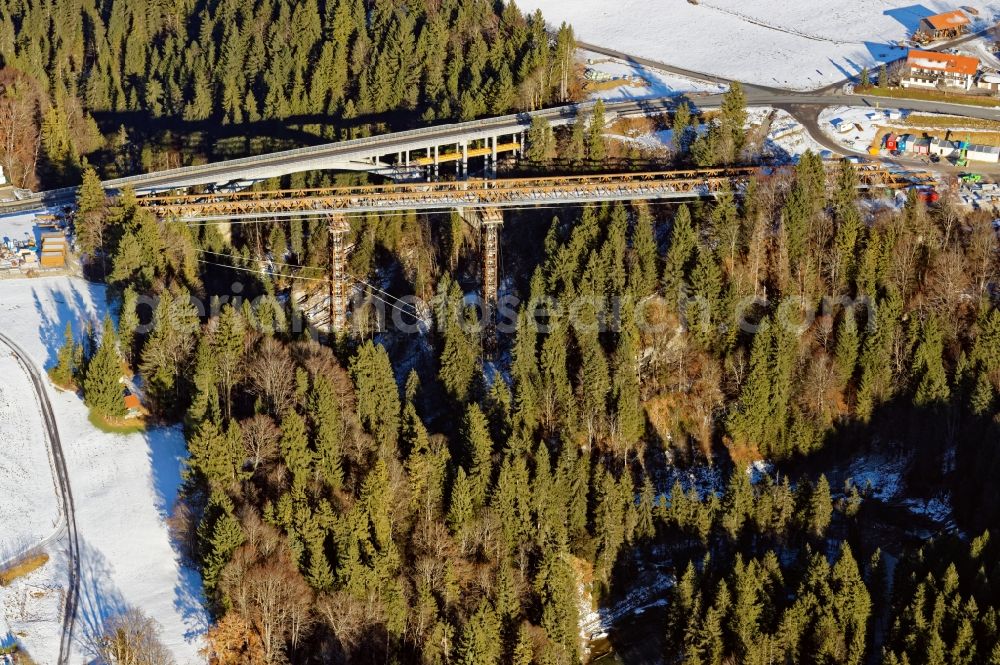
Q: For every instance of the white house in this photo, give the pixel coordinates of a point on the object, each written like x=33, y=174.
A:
x=929, y=69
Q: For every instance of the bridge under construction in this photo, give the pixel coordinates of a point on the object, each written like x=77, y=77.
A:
x=480, y=201
x=502, y=193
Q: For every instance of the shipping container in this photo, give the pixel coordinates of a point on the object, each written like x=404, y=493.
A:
x=53, y=260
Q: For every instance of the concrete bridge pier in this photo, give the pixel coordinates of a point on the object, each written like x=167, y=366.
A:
x=493, y=157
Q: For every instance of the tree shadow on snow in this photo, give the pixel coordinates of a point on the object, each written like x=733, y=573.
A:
x=167, y=453
x=78, y=304
x=100, y=599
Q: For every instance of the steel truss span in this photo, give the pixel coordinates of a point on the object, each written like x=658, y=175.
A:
x=508, y=192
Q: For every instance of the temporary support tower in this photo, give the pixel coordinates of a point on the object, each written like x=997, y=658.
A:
x=338, y=273
x=491, y=219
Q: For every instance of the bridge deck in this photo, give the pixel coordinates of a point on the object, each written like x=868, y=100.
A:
x=508, y=192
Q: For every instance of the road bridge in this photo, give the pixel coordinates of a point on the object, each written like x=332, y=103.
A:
x=501, y=193
x=482, y=203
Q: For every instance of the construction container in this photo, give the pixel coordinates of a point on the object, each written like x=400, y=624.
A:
x=984, y=153
x=891, y=141
x=53, y=259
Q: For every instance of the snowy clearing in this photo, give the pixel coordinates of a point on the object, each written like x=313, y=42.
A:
x=833, y=118
x=793, y=45
x=124, y=488
x=29, y=510
x=661, y=83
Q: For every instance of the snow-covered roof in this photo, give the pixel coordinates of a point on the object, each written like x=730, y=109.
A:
x=944, y=62
x=948, y=20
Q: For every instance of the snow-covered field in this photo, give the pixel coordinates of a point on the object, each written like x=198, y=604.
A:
x=124, y=487
x=29, y=511
x=661, y=83
x=832, y=118
x=777, y=43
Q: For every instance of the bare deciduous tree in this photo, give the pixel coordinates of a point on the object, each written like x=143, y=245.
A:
x=20, y=139
x=266, y=589
x=130, y=638
x=272, y=375
x=260, y=439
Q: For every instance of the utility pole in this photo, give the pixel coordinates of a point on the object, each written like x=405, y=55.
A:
x=338, y=273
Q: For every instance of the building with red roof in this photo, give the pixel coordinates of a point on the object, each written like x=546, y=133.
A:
x=943, y=26
x=930, y=69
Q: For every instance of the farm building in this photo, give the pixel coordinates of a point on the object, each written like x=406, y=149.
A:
x=929, y=69
x=942, y=26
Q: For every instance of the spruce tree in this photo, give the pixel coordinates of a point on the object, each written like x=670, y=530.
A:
x=595, y=134
x=461, y=506
x=65, y=369
x=820, y=507
x=932, y=389
x=102, y=388
x=683, y=241
x=128, y=322
x=846, y=353
x=479, y=451
x=681, y=127
x=294, y=447
x=324, y=414
x=378, y=396
x=644, y=275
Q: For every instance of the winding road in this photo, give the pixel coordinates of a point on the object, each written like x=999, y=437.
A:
x=65, y=496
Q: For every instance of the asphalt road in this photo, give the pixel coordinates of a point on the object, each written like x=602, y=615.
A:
x=65, y=496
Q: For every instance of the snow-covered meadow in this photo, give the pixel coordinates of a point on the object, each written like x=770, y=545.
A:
x=124, y=488
x=777, y=43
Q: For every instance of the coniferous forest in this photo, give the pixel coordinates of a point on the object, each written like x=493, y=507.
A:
x=392, y=496
x=133, y=85
x=683, y=417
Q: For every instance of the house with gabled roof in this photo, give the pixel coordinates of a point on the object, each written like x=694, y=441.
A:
x=930, y=69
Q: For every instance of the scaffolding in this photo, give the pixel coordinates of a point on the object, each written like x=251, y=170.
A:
x=250, y=204
x=339, y=283
x=491, y=220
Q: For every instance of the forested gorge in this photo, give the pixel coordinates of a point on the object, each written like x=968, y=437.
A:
x=401, y=497
x=326, y=67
